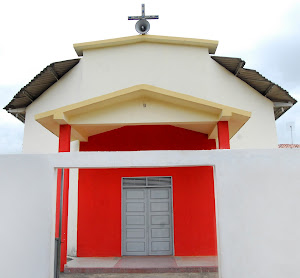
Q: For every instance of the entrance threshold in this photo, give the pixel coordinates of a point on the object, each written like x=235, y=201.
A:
x=143, y=264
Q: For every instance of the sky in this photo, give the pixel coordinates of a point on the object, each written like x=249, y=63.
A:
x=264, y=33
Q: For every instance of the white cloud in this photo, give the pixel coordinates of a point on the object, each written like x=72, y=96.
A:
x=11, y=129
x=11, y=134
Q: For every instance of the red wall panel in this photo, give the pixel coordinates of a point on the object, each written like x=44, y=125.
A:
x=194, y=212
x=223, y=135
x=148, y=137
x=99, y=210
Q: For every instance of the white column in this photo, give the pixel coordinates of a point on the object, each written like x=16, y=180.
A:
x=73, y=206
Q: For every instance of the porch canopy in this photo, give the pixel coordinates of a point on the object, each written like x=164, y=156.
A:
x=142, y=105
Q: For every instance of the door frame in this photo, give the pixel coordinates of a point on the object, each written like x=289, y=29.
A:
x=172, y=214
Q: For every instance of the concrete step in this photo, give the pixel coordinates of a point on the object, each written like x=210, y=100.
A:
x=143, y=264
x=140, y=275
x=149, y=270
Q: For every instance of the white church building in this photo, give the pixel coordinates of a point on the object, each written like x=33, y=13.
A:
x=147, y=123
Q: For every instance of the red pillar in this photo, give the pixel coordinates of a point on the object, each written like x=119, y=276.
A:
x=223, y=135
x=64, y=146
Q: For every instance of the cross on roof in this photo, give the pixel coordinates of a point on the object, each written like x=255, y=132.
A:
x=143, y=16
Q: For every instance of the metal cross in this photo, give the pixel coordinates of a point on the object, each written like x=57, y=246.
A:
x=143, y=16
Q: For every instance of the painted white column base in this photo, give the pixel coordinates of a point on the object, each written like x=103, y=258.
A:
x=73, y=207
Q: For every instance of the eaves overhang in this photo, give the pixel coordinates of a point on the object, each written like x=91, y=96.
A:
x=52, y=73
x=282, y=101
x=194, y=111
x=37, y=86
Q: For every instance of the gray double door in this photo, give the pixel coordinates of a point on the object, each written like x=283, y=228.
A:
x=147, y=227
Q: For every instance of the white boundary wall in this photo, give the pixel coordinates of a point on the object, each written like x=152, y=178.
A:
x=257, y=206
x=27, y=207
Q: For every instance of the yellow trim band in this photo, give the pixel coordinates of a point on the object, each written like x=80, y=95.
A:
x=208, y=113
x=210, y=44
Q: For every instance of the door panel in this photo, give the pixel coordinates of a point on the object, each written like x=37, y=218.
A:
x=134, y=222
x=160, y=216
x=147, y=216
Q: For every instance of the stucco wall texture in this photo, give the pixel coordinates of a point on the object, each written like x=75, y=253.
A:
x=256, y=199
x=184, y=69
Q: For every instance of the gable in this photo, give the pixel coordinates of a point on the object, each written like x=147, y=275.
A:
x=211, y=45
x=142, y=104
x=179, y=67
x=53, y=73
x=141, y=110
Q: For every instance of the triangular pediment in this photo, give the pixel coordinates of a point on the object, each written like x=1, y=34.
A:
x=140, y=105
x=211, y=45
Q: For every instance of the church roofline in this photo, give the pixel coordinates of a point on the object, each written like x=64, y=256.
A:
x=281, y=98
x=52, y=73
x=37, y=86
x=210, y=44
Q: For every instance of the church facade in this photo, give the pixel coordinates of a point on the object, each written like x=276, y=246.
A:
x=145, y=93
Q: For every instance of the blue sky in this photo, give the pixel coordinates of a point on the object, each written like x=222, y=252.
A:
x=265, y=34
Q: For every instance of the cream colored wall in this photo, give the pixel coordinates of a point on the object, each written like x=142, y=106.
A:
x=187, y=70
x=134, y=111
x=184, y=69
